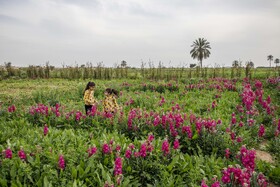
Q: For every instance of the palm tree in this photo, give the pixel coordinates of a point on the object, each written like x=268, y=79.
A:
x=200, y=50
x=276, y=61
x=270, y=58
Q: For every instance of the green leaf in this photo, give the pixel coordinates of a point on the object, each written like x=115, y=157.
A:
x=81, y=171
x=128, y=169
x=174, y=161
x=46, y=182
x=74, y=173
x=75, y=183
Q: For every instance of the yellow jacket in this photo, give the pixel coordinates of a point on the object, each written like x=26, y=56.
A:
x=89, y=98
x=110, y=104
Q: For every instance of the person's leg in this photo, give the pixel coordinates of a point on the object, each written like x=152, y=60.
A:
x=88, y=108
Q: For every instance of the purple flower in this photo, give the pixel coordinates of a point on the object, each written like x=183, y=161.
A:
x=176, y=144
x=91, y=151
x=118, y=166
x=61, y=162
x=227, y=154
x=46, y=130
x=203, y=184
x=8, y=153
x=143, y=150
x=261, y=131
x=106, y=149
x=165, y=147
x=128, y=153
x=151, y=138
x=22, y=154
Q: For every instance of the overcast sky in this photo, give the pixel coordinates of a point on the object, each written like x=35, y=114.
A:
x=79, y=31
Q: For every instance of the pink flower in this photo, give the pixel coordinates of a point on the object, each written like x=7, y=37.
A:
x=261, y=131
x=118, y=166
x=91, y=151
x=203, y=184
x=233, y=119
x=22, y=154
x=216, y=184
x=262, y=181
x=12, y=108
x=61, y=162
x=227, y=154
x=151, y=138
x=118, y=148
x=136, y=154
x=8, y=153
x=232, y=136
x=131, y=146
x=106, y=149
x=143, y=150
x=176, y=144
x=128, y=153
x=239, y=139
x=46, y=130
x=165, y=147
x=188, y=130
x=247, y=157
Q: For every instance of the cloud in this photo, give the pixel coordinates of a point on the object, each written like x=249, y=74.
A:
x=131, y=30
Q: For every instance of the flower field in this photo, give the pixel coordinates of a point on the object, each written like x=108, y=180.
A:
x=187, y=133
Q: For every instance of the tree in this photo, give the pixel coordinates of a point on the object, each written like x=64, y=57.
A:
x=235, y=63
x=276, y=61
x=270, y=58
x=192, y=65
x=250, y=64
x=123, y=63
x=200, y=50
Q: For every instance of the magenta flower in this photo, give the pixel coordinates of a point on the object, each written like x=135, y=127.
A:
x=118, y=166
x=233, y=119
x=176, y=144
x=8, y=153
x=106, y=149
x=216, y=184
x=188, y=130
x=262, y=181
x=22, y=154
x=11, y=108
x=261, y=131
x=165, y=147
x=91, y=151
x=227, y=154
x=46, y=130
x=203, y=184
x=143, y=150
x=128, y=153
x=61, y=162
x=239, y=139
x=131, y=146
x=118, y=148
x=247, y=157
x=151, y=137
x=226, y=176
x=136, y=154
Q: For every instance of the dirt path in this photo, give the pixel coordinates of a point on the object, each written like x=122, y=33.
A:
x=264, y=156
